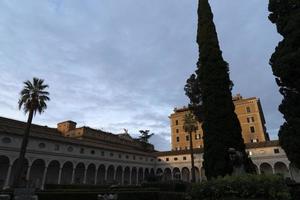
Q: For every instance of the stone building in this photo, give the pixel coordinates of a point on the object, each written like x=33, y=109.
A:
x=249, y=113
x=70, y=155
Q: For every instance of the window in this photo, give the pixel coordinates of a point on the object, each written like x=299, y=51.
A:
x=248, y=109
x=176, y=122
x=197, y=137
x=133, y=157
x=184, y=158
x=159, y=160
x=81, y=150
x=167, y=159
x=127, y=157
x=56, y=147
x=42, y=145
x=70, y=149
x=120, y=156
x=187, y=138
x=111, y=154
x=175, y=158
x=177, y=131
x=177, y=139
x=276, y=151
x=92, y=152
x=6, y=140
x=102, y=153
x=250, y=119
x=252, y=129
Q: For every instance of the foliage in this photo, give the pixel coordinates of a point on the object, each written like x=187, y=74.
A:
x=173, y=186
x=285, y=63
x=209, y=90
x=145, y=135
x=268, y=187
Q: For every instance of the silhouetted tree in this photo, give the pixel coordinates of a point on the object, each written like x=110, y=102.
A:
x=285, y=63
x=33, y=99
x=209, y=91
x=190, y=126
x=145, y=135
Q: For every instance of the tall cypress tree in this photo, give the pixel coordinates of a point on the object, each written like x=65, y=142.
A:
x=209, y=90
x=285, y=64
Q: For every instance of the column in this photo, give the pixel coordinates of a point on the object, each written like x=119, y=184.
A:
x=123, y=177
x=84, y=176
x=137, y=176
x=73, y=174
x=6, y=184
x=44, y=178
x=28, y=173
x=130, y=173
x=96, y=176
x=115, y=174
x=59, y=175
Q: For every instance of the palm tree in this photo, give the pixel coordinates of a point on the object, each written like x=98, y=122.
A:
x=33, y=99
x=190, y=125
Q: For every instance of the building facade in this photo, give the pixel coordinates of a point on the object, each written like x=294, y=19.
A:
x=70, y=155
x=249, y=113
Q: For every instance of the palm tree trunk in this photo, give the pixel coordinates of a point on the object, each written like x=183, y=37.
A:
x=20, y=163
x=192, y=158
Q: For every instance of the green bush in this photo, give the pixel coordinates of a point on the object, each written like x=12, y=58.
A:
x=269, y=187
x=173, y=186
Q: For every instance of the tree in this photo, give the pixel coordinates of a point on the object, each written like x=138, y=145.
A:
x=190, y=126
x=209, y=91
x=285, y=63
x=145, y=136
x=33, y=99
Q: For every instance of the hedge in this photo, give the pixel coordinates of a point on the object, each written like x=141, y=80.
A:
x=267, y=187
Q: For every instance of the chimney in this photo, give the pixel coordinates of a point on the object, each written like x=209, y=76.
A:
x=66, y=126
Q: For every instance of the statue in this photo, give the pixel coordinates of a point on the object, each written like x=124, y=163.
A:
x=236, y=160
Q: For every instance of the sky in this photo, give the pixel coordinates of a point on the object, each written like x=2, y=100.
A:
x=114, y=64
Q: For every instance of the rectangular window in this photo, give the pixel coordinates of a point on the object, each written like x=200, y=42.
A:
x=177, y=131
x=177, y=139
x=252, y=129
x=56, y=148
x=250, y=119
x=120, y=156
x=133, y=157
x=276, y=151
x=127, y=157
x=175, y=158
x=248, y=109
x=81, y=150
x=187, y=138
x=102, y=153
x=176, y=122
x=167, y=159
x=111, y=154
x=184, y=158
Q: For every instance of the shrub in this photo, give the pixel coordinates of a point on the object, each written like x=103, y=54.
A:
x=271, y=187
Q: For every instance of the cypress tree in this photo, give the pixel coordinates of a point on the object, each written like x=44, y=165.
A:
x=285, y=63
x=209, y=90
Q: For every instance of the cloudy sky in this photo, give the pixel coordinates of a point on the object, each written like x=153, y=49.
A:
x=115, y=64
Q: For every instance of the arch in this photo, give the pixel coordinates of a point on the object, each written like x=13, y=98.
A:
x=295, y=173
x=147, y=174
x=167, y=174
x=52, y=172
x=197, y=175
x=203, y=176
x=101, y=175
x=152, y=174
x=36, y=173
x=90, y=174
x=281, y=168
x=79, y=173
x=256, y=169
x=126, y=176
x=66, y=173
x=23, y=174
x=266, y=168
x=119, y=174
x=133, y=176
x=4, y=165
x=110, y=174
x=185, y=174
x=159, y=174
x=140, y=175
x=176, y=174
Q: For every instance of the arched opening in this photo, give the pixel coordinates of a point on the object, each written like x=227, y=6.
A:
x=23, y=173
x=90, y=174
x=101, y=175
x=197, y=174
x=176, y=174
x=256, y=169
x=110, y=174
x=52, y=172
x=79, y=173
x=119, y=175
x=126, y=176
x=4, y=164
x=295, y=173
x=36, y=173
x=66, y=173
x=141, y=177
x=281, y=168
x=147, y=174
x=159, y=174
x=185, y=174
x=167, y=174
x=266, y=168
x=133, y=176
